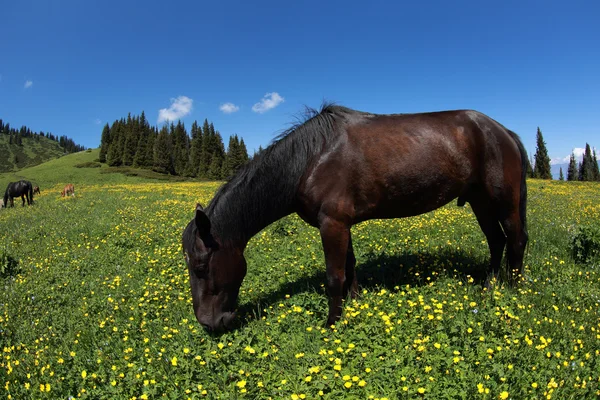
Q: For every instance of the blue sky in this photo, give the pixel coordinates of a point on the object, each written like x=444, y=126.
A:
x=71, y=66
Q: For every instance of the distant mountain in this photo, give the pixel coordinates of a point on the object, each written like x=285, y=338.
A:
x=32, y=151
x=555, y=170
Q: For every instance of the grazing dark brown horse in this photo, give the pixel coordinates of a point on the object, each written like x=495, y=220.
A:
x=36, y=189
x=343, y=166
x=21, y=188
x=68, y=190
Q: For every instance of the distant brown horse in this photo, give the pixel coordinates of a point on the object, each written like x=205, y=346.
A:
x=68, y=190
x=36, y=189
x=341, y=167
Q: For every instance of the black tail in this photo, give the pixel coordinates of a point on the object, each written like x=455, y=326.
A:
x=524, y=165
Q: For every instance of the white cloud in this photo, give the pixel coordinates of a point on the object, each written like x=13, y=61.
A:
x=269, y=101
x=97, y=121
x=578, y=151
x=229, y=108
x=28, y=84
x=180, y=107
x=560, y=160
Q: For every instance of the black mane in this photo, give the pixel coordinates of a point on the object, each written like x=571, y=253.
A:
x=262, y=191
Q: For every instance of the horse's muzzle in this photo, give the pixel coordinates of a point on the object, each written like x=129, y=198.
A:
x=218, y=323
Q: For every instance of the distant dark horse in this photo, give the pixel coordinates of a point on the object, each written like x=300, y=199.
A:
x=15, y=189
x=36, y=189
x=343, y=166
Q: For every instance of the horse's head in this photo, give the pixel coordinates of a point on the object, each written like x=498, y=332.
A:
x=216, y=272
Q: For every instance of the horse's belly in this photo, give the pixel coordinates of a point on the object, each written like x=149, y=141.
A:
x=398, y=201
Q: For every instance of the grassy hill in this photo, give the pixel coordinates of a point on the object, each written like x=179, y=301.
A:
x=33, y=152
x=79, y=169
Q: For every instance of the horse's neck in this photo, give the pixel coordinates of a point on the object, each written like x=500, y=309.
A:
x=245, y=209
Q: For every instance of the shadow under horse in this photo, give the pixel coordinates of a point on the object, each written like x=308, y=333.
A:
x=22, y=189
x=380, y=270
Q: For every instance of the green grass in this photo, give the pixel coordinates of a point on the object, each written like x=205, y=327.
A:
x=99, y=305
x=63, y=170
x=32, y=152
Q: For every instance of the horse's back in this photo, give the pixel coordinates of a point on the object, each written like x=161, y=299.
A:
x=385, y=166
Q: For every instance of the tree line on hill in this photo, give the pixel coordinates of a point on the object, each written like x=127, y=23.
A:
x=132, y=141
x=586, y=170
x=16, y=137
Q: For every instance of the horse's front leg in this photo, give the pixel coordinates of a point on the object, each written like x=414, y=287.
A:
x=351, y=281
x=335, y=237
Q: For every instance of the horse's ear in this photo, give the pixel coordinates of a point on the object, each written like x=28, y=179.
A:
x=202, y=222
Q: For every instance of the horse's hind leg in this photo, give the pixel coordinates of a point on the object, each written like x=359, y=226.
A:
x=493, y=232
x=351, y=284
x=23, y=198
x=516, y=242
x=335, y=236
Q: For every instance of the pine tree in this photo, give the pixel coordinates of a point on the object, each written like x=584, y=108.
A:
x=189, y=169
x=195, y=150
x=130, y=142
x=595, y=168
x=561, y=176
x=206, y=152
x=152, y=134
x=572, y=171
x=230, y=162
x=260, y=150
x=180, y=147
x=243, y=153
x=237, y=156
x=214, y=171
x=104, y=143
x=541, y=169
x=195, y=130
x=218, y=156
x=163, y=152
x=586, y=172
x=140, y=159
x=114, y=156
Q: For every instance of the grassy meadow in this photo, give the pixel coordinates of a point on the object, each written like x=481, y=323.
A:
x=95, y=302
